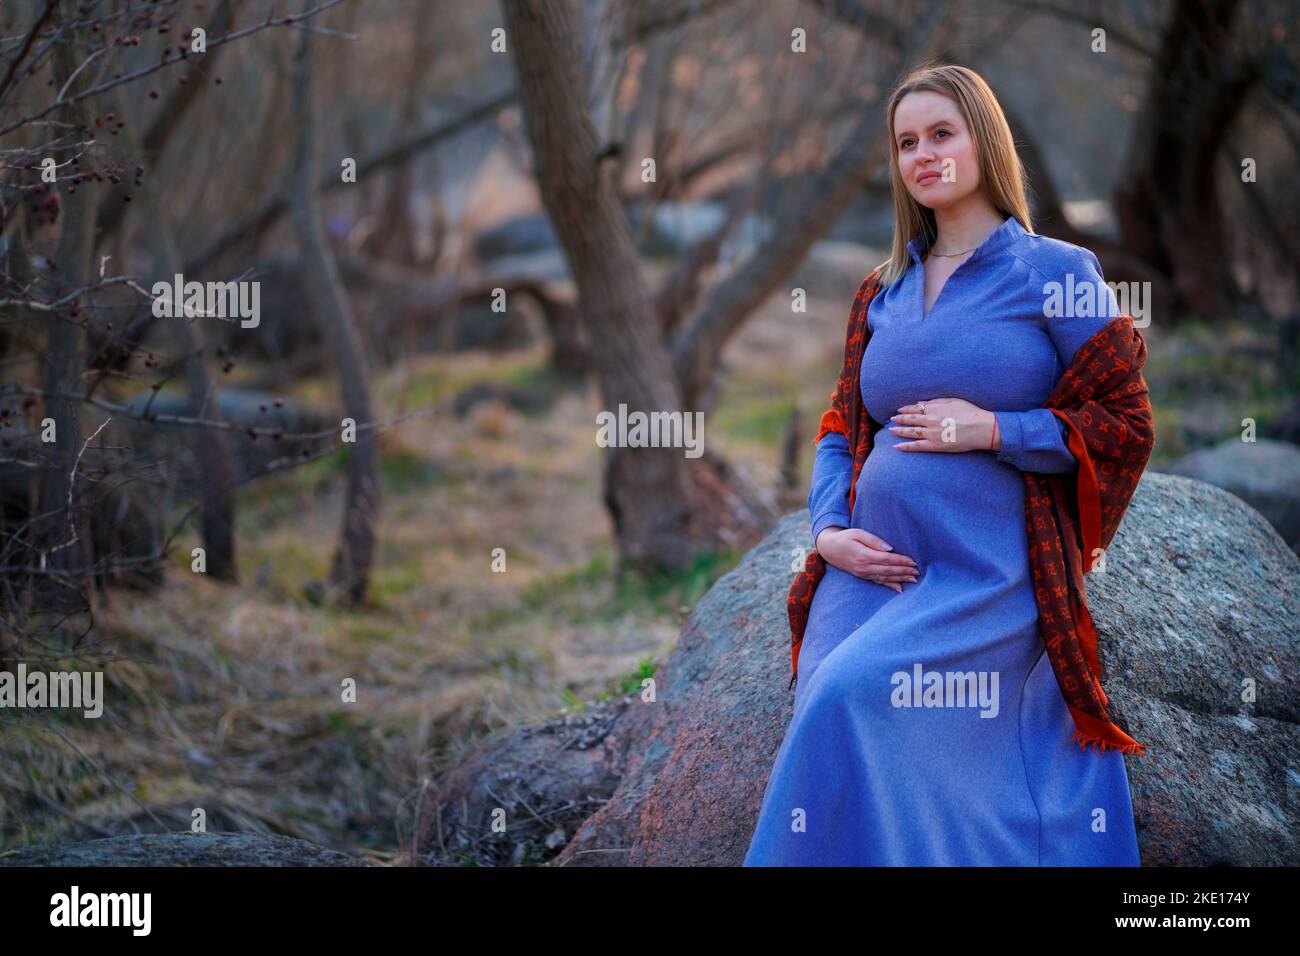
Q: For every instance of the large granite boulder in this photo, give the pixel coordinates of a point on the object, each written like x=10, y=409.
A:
x=1197, y=610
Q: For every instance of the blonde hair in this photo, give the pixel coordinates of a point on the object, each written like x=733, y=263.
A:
x=1002, y=177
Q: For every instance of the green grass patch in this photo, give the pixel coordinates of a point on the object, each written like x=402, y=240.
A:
x=545, y=591
x=284, y=566
x=665, y=593
x=368, y=632
x=402, y=469
x=281, y=496
x=631, y=683
x=759, y=420
x=347, y=722
x=572, y=702
x=394, y=579
x=220, y=656
x=633, y=593
x=434, y=380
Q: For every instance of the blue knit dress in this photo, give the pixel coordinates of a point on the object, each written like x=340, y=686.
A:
x=928, y=727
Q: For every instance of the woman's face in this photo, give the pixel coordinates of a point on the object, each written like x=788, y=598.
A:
x=936, y=154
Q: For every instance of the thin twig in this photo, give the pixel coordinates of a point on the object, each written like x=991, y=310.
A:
x=72, y=482
x=166, y=61
x=85, y=63
x=72, y=296
x=27, y=45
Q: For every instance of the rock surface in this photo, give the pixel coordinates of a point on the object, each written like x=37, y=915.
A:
x=1197, y=609
x=541, y=782
x=181, y=849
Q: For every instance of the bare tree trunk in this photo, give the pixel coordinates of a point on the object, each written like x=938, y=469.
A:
x=646, y=489
x=570, y=351
x=584, y=211
x=1118, y=264
x=353, y=559
x=1167, y=201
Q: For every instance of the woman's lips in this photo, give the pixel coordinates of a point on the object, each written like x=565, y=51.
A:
x=926, y=178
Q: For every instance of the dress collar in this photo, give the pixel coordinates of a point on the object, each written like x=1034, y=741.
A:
x=1003, y=235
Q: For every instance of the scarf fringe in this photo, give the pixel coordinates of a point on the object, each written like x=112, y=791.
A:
x=1083, y=740
x=832, y=420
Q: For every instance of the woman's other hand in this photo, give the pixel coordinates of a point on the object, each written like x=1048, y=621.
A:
x=865, y=555
x=947, y=424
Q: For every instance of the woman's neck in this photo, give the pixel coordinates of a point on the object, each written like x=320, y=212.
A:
x=963, y=228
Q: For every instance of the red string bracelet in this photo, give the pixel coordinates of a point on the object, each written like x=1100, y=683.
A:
x=994, y=436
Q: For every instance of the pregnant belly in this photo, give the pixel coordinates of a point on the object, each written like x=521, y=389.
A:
x=959, y=511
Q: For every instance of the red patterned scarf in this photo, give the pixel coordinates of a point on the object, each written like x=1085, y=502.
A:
x=1070, y=518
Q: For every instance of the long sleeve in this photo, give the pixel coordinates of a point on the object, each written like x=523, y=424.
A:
x=828, y=498
x=1034, y=440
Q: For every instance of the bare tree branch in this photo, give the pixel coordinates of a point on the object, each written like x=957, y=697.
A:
x=276, y=205
x=60, y=102
x=27, y=45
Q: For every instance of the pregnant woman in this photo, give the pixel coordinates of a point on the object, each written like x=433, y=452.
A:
x=929, y=726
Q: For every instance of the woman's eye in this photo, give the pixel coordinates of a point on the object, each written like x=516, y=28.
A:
x=943, y=131
x=905, y=143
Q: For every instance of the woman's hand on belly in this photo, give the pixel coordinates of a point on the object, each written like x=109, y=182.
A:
x=947, y=424
x=866, y=556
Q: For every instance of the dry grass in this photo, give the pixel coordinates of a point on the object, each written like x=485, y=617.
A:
x=229, y=698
